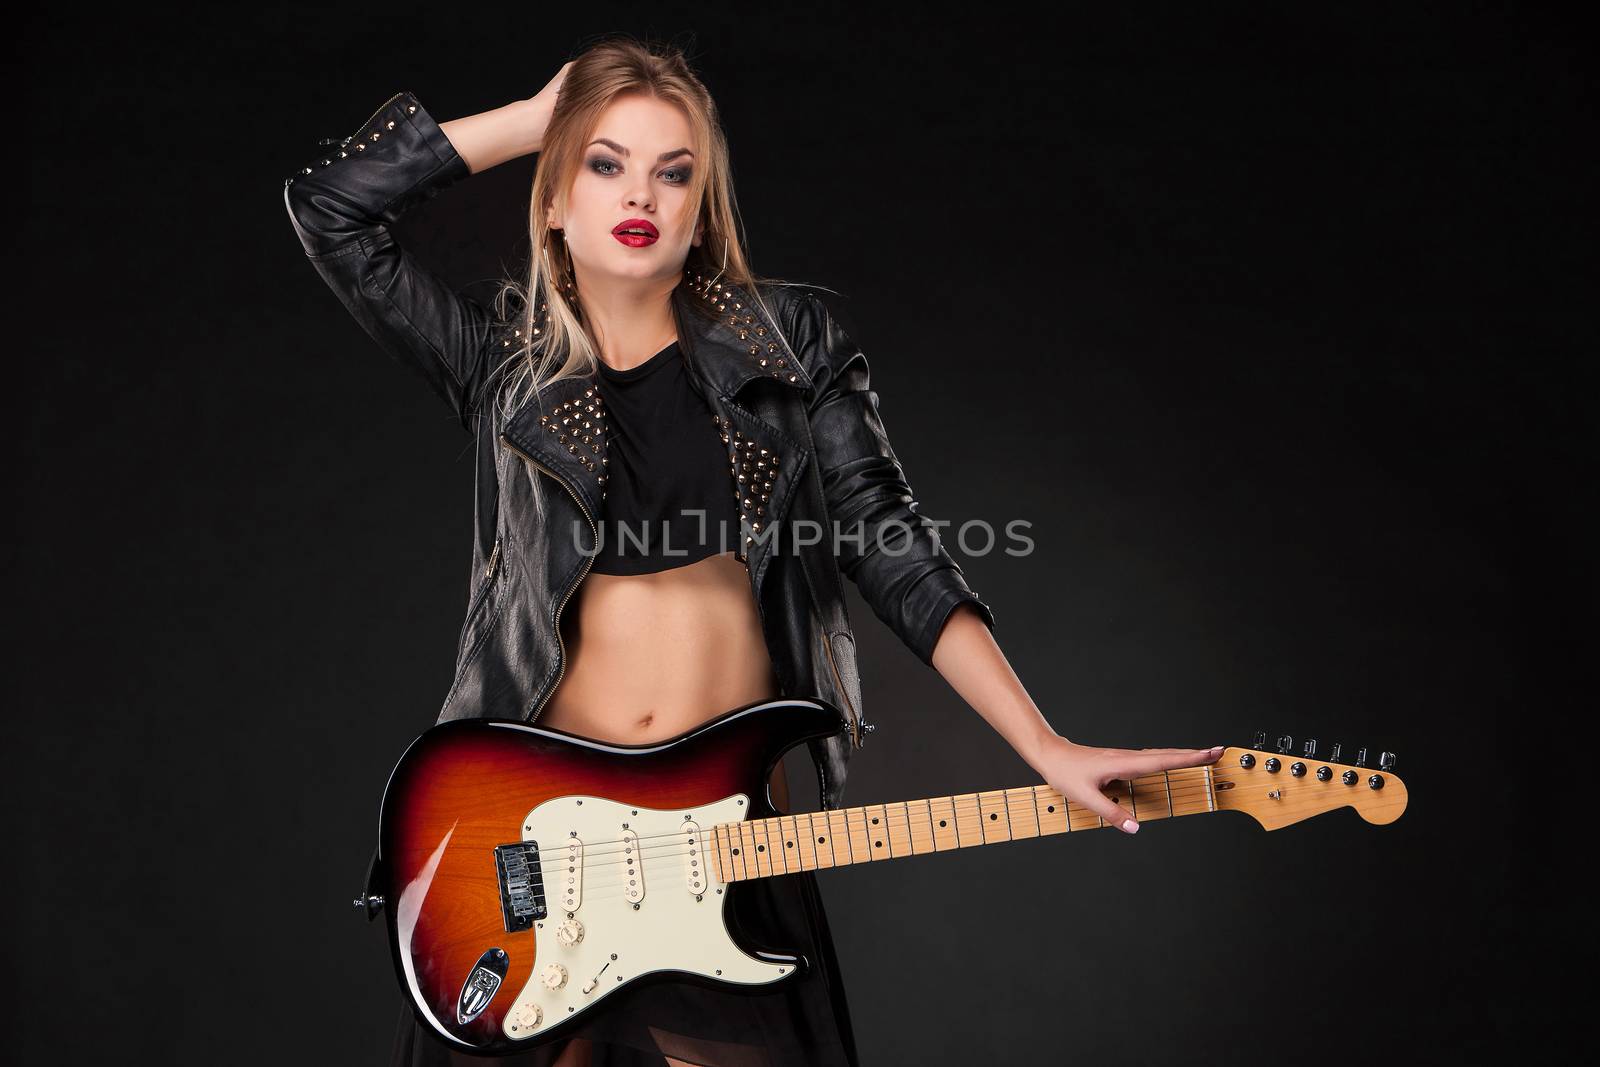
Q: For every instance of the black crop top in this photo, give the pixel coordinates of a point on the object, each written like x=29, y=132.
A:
x=669, y=498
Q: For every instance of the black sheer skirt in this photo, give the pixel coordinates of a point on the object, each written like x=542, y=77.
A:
x=802, y=1022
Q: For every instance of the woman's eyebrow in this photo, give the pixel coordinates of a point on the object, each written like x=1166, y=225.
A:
x=662, y=158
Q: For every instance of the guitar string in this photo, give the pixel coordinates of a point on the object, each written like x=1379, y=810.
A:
x=1188, y=787
x=675, y=878
x=1190, y=781
x=912, y=831
x=858, y=821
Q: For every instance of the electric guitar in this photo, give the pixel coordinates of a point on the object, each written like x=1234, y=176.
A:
x=526, y=874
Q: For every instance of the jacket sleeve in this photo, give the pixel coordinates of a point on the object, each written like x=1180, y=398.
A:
x=885, y=545
x=343, y=205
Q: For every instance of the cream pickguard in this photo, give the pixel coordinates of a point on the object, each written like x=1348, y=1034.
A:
x=629, y=891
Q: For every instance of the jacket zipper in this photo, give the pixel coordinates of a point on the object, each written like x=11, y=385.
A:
x=494, y=557
x=588, y=561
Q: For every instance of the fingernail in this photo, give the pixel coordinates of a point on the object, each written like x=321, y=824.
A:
x=1131, y=826
x=1216, y=750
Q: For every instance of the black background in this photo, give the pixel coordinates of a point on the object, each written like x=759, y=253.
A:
x=1268, y=320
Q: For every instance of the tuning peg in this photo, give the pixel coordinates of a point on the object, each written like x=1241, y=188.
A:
x=1261, y=740
x=1361, y=758
x=1333, y=757
x=1386, y=761
x=1311, y=747
x=1284, y=743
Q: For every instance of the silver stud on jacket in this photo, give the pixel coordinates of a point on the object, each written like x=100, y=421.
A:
x=753, y=469
x=749, y=327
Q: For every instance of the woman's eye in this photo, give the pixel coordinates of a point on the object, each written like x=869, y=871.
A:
x=673, y=175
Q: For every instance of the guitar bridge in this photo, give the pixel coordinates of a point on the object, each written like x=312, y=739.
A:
x=521, y=885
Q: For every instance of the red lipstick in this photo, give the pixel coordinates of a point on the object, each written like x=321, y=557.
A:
x=636, y=233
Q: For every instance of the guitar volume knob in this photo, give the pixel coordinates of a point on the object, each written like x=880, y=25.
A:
x=555, y=976
x=570, y=932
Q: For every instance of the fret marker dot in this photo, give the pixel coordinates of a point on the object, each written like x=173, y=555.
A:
x=993, y=815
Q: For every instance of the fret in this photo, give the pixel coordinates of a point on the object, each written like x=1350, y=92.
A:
x=817, y=840
x=1150, y=798
x=741, y=851
x=806, y=844
x=1049, y=811
x=942, y=811
x=839, y=834
x=1022, y=816
x=786, y=839
x=765, y=860
x=898, y=819
x=921, y=816
x=1166, y=780
x=805, y=841
x=969, y=821
x=754, y=859
x=1081, y=818
x=776, y=853
x=878, y=832
x=860, y=842
x=724, y=866
x=992, y=809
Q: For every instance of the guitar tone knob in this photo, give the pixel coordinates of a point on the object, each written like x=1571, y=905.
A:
x=528, y=1016
x=570, y=932
x=554, y=977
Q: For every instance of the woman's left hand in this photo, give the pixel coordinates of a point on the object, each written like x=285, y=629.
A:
x=1080, y=772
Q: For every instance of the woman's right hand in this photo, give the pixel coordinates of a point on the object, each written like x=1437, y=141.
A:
x=544, y=104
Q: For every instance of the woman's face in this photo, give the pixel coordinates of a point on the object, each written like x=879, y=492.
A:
x=634, y=176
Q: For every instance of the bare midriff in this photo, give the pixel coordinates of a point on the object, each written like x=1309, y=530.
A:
x=650, y=656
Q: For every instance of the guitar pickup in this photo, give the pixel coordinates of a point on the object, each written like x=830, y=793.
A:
x=521, y=885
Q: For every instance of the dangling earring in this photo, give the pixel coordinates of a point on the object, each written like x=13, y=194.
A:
x=570, y=284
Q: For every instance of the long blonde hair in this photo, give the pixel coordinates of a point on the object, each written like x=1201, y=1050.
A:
x=554, y=342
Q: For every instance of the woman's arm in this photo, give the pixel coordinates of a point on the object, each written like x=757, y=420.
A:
x=887, y=546
x=969, y=659
x=490, y=138
x=344, y=205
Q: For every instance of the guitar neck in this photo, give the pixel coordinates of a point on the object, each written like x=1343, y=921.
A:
x=784, y=844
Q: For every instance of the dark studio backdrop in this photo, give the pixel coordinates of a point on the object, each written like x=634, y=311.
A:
x=1268, y=321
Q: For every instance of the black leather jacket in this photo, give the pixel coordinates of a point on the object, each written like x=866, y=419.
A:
x=793, y=406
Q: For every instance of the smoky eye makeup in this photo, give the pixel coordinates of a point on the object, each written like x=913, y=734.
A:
x=605, y=166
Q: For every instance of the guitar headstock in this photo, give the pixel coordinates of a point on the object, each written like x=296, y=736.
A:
x=1281, y=788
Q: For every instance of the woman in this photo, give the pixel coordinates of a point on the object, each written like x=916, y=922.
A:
x=641, y=356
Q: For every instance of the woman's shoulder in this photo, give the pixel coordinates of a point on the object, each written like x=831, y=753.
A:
x=789, y=300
